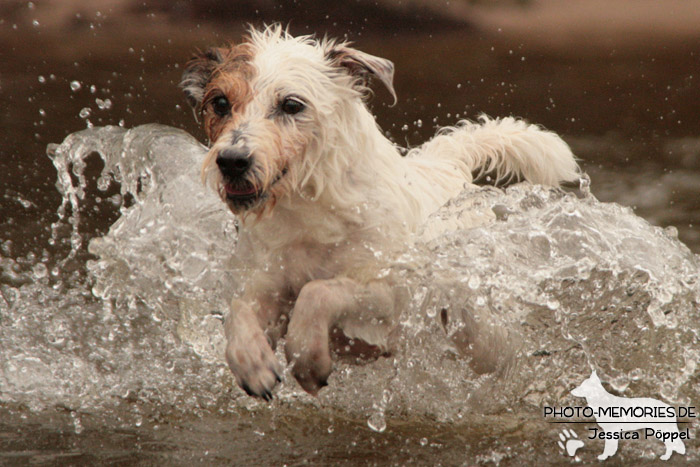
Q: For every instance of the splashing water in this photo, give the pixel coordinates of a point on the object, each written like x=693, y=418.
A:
x=548, y=288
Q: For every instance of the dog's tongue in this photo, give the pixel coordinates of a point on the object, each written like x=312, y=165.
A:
x=245, y=189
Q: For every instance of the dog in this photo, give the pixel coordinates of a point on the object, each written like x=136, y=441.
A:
x=323, y=199
x=614, y=425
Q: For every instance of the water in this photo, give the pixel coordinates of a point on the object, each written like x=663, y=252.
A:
x=116, y=334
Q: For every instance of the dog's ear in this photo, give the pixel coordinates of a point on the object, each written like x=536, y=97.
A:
x=362, y=65
x=197, y=74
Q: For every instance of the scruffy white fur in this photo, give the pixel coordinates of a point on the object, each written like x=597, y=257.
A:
x=333, y=197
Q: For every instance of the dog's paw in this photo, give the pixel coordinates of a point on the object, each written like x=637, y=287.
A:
x=312, y=363
x=312, y=377
x=254, y=365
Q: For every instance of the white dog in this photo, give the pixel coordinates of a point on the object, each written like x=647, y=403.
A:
x=323, y=198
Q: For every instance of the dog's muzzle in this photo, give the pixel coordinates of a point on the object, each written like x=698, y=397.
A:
x=234, y=164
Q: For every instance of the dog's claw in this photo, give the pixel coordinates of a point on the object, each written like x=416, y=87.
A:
x=265, y=393
x=247, y=390
x=311, y=379
x=255, y=366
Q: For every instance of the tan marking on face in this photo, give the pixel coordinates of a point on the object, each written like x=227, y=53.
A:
x=230, y=79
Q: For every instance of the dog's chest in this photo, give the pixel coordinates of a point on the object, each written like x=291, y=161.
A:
x=302, y=263
x=299, y=248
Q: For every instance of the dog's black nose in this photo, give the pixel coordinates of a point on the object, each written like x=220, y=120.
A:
x=234, y=162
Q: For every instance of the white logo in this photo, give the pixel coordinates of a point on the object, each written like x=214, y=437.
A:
x=622, y=418
x=569, y=442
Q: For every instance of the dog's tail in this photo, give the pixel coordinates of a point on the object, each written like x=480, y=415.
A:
x=502, y=151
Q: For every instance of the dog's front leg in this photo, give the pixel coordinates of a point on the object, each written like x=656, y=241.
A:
x=323, y=304
x=249, y=351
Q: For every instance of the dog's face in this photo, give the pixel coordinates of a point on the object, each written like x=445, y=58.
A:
x=269, y=107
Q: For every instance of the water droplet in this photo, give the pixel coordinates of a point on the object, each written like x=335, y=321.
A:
x=103, y=104
x=42, y=80
x=376, y=422
x=42, y=112
x=75, y=86
x=93, y=89
x=35, y=23
x=77, y=424
x=85, y=112
x=585, y=184
x=40, y=271
x=386, y=397
x=424, y=441
x=671, y=231
x=474, y=282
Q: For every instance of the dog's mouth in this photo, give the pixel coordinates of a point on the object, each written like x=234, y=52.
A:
x=240, y=190
x=244, y=193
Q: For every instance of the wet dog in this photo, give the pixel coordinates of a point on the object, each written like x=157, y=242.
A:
x=323, y=199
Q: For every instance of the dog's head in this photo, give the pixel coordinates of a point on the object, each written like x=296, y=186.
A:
x=272, y=107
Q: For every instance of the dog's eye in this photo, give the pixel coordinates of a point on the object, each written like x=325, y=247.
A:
x=291, y=106
x=221, y=106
